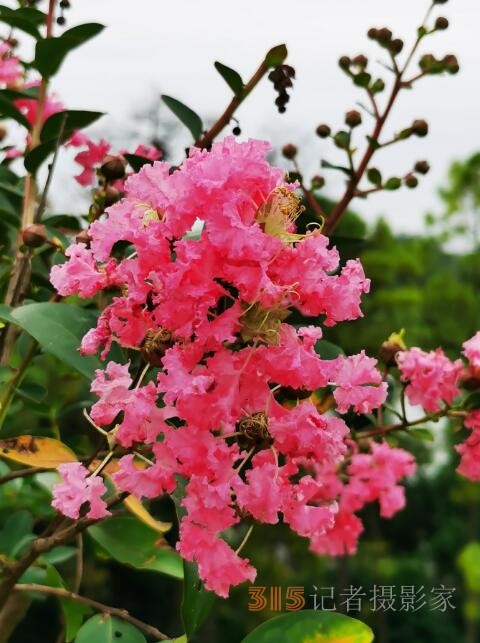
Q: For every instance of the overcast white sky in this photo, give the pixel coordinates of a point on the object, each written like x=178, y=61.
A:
x=152, y=46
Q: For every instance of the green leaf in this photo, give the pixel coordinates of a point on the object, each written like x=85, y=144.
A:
x=469, y=563
x=187, y=116
x=20, y=19
x=472, y=401
x=131, y=542
x=276, y=56
x=136, y=162
x=196, y=601
x=35, y=16
x=35, y=158
x=393, y=183
x=422, y=434
x=104, y=628
x=50, y=52
x=70, y=121
x=231, y=77
x=327, y=350
x=374, y=176
x=362, y=79
x=8, y=110
x=311, y=626
x=16, y=530
x=59, y=554
x=73, y=613
x=58, y=328
x=6, y=314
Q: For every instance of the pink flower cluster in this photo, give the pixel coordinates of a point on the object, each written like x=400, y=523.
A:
x=431, y=377
x=433, y=381
x=11, y=70
x=214, y=265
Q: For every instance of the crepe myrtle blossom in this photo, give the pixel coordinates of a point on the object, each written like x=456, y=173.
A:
x=469, y=450
x=78, y=489
x=209, y=312
x=471, y=350
x=432, y=378
x=11, y=71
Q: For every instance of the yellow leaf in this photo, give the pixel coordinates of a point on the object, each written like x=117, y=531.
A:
x=135, y=507
x=36, y=451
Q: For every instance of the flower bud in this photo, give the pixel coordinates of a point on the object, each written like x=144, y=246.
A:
x=422, y=167
x=411, y=181
x=34, y=235
x=112, y=195
x=451, y=64
x=344, y=62
x=113, y=167
x=360, y=61
x=83, y=237
x=318, y=182
x=61, y=21
x=372, y=33
x=384, y=35
x=236, y=131
x=420, y=127
x=289, y=151
x=65, y=4
x=353, y=118
x=323, y=131
x=441, y=23
x=396, y=46
x=392, y=347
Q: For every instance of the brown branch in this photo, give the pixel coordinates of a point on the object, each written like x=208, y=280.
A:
x=22, y=473
x=352, y=184
x=344, y=202
x=149, y=630
x=404, y=425
x=207, y=139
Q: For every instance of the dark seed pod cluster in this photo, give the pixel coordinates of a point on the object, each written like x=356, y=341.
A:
x=282, y=79
x=64, y=4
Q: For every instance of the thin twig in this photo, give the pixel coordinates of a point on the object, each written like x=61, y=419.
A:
x=245, y=540
x=150, y=630
x=22, y=473
x=351, y=190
